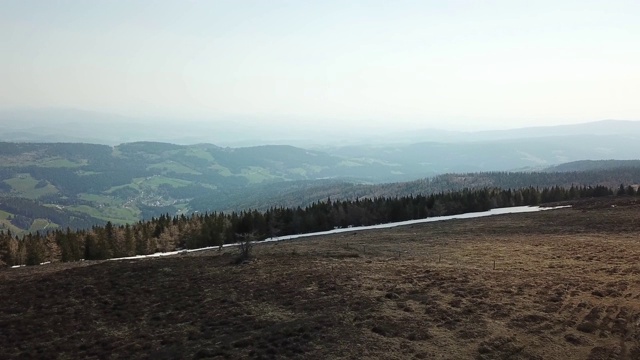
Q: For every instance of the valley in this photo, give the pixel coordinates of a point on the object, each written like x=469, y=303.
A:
x=46, y=186
x=319, y=180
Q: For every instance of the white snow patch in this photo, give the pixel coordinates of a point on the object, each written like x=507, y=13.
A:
x=499, y=211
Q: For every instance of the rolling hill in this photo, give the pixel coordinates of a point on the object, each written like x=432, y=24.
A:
x=49, y=185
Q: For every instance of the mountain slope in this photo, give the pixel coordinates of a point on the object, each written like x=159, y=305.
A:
x=585, y=165
x=131, y=181
x=75, y=184
x=304, y=193
x=499, y=155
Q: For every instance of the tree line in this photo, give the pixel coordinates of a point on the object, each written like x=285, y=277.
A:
x=169, y=233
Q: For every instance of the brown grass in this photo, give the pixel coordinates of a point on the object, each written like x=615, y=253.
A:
x=565, y=285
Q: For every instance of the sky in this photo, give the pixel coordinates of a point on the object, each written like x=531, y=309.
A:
x=457, y=65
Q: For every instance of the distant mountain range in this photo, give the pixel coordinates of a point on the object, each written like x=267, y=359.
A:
x=603, y=127
x=73, y=125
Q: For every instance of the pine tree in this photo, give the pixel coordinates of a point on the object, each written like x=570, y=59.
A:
x=34, y=249
x=129, y=241
x=5, y=250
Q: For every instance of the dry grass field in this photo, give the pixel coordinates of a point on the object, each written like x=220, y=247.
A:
x=561, y=284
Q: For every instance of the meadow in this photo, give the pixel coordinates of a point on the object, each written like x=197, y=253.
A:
x=554, y=284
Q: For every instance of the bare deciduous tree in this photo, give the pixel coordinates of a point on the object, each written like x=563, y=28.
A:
x=245, y=246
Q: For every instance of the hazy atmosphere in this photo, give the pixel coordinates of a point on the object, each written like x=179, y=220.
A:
x=365, y=66
x=319, y=179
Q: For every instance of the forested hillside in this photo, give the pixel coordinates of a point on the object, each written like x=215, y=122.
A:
x=303, y=193
x=505, y=154
x=168, y=233
x=588, y=165
x=59, y=185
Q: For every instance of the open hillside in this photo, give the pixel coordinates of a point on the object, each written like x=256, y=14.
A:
x=555, y=284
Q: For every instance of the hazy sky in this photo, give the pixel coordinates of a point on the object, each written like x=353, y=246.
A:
x=447, y=64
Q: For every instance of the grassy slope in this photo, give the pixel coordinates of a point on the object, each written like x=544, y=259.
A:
x=42, y=224
x=5, y=224
x=564, y=286
x=25, y=186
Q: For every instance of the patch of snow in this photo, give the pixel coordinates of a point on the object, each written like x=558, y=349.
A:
x=158, y=254
x=498, y=211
